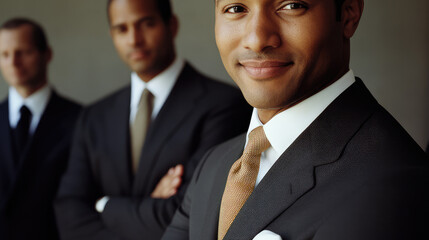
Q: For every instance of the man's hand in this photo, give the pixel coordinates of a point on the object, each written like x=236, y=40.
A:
x=169, y=184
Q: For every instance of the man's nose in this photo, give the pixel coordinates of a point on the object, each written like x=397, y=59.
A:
x=135, y=37
x=261, y=32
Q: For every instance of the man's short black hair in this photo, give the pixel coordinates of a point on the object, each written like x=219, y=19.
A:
x=164, y=9
x=338, y=5
x=39, y=36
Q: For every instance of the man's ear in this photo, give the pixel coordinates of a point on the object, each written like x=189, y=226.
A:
x=350, y=16
x=174, y=25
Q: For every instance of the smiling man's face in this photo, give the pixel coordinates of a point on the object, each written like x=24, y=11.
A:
x=281, y=52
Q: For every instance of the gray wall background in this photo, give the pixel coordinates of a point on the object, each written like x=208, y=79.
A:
x=390, y=51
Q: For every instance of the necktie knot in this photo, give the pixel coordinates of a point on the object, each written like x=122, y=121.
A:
x=257, y=143
x=146, y=100
x=25, y=112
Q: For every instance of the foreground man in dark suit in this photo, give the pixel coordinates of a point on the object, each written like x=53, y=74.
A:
x=105, y=194
x=334, y=163
x=36, y=126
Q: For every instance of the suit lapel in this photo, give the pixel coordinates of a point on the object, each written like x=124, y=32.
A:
x=118, y=138
x=7, y=168
x=292, y=175
x=210, y=227
x=179, y=104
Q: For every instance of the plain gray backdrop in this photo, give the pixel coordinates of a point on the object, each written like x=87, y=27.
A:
x=390, y=51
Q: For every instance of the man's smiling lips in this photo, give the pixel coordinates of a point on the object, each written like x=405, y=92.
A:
x=264, y=69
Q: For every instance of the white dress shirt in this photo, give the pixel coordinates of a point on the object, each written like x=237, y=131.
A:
x=36, y=103
x=284, y=128
x=160, y=86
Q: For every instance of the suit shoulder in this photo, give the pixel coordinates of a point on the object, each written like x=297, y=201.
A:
x=3, y=103
x=105, y=103
x=221, y=89
x=68, y=104
x=215, y=157
x=115, y=104
x=224, y=148
x=386, y=142
x=211, y=85
x=112, y=97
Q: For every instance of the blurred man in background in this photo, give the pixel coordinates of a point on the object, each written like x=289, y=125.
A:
x=36, y=125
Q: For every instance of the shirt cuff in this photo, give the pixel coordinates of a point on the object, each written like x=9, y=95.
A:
x=101, y=204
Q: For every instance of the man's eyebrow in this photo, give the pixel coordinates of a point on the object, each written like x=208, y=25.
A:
x=143, y=19
x=115, y=26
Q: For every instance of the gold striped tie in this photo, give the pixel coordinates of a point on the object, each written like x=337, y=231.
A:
x=140, y=126
x=241, y=179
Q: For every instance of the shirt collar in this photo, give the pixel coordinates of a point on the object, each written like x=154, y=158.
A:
x=36, y=103
x=284, y=128
x=160, y=86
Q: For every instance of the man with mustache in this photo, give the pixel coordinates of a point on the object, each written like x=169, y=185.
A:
x=321, y=159
x=113, y=188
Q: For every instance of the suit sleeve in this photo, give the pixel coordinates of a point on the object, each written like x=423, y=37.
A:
x=74, y=206
x=150, y=217
x=179, y=226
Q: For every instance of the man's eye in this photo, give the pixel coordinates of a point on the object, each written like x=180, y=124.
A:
x=120, y=29
x=292, y=6
x=150, y=23
x=235, y=9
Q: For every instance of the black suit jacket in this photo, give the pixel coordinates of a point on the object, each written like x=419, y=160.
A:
x=28, y=190
x=198, y=114
x=354, y=173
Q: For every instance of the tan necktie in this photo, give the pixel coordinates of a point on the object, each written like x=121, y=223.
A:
x=241, y=179
x=140, y=126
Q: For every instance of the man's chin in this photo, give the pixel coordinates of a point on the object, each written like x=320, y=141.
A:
x=139, y=68
x=20, y=82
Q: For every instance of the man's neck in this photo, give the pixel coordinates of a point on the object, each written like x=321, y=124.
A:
x=146, y=77
x=27, y=91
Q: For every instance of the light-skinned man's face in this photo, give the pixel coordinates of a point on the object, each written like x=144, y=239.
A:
x=143, y=40
x=23, y=65
x=281, y=52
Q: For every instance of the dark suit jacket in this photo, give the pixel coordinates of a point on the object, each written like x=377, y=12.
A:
x=197, y=114
x=354, y=173
x=27, y=191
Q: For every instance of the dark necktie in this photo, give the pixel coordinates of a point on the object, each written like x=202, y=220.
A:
x=241, y=179
x=22, y=131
